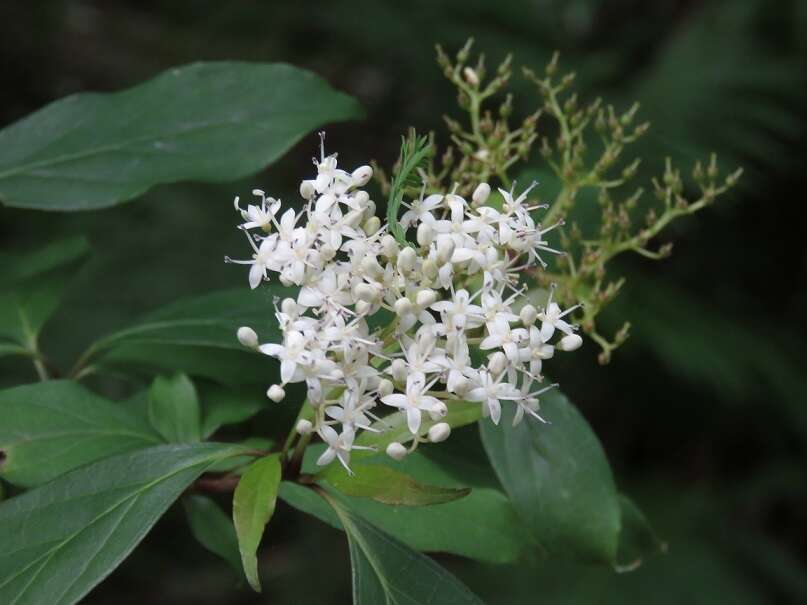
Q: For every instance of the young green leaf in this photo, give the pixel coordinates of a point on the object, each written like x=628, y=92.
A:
x=415, y=152
x=559, y=480
x=174, y=408
x=63, y=538
x=483, y=525
x=205, y=121
x=253, y=506
x=213, y=529
x=52, y=427
x=384, y=484
x=387, y=571
x=224, y=405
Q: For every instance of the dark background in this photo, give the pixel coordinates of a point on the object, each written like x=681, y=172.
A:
x=702, y=412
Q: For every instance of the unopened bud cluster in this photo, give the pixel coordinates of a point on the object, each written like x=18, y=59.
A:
x=453, y=320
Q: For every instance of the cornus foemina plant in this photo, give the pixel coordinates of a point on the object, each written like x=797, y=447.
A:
x=453, y=321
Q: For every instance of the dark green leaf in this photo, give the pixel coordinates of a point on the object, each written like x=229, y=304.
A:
x=49, y=428
x=558, y=479
x=213, y=529
x=482, y=525
x=222, y=406
x=637, y=540
x=387, y=571
x=204, y=121
x=174, y=408
x=61, y=539
x=32, y=285
x=253, y=506
x=198, y=335
x=308, y=501
x=384, y=484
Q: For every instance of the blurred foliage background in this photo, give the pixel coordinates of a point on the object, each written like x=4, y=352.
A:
x=702, y=412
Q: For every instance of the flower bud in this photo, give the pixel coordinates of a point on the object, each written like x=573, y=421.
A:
x=426, y=297
x=425, y=235
x=361, y=199
x=362, y=175
x=439, y=432
x=439, y=410
x=304, y=427
x=372, y=225
x=398, y=370
x=470, y=76
x=385, y=387
x=363, y=307
x=247, y=337
x=406, y=259
x=445, y=248
x=429, y=269
x=461, y=386
x=276, y=393
x=396, y=451
x=403, y=306
x=389, y=246
x=570, y=342
x=289, y=306
x=528, y=315
x=307, y=190
x=497, y=363
x=364, y=292
x=481, y=194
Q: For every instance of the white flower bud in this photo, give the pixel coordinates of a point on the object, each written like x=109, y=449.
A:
x=398, y=370
x=247, y=337
x=426, y=297
x=470, y=76
x=406, y=259
x=362, y=175
x=372, y=225
x=403, y=306
x=439, y=432
x=445, y=249
x=528, y=315
x=497, y=363
x=425, y=235
x=364, y=292
x=396, y=451
x=461, y=386
x=389, y=246
x=307, y=190
x=289, y=306
x=327, y=252
x=363, y=307
x=429, y=269
x=385, y=387
x=570, y=342
x=369, y=208
x=276, y=393
x=304, y=427
x=439, y=410
x=481, y=194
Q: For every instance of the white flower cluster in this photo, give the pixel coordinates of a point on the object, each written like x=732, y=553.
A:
x=456, y=291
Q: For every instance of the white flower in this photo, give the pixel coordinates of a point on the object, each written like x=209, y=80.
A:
x=491, y=392
x=413, y=403
x=339, y=446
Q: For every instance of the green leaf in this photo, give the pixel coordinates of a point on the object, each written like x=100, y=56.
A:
x=49, y=428
x=31, y=287
x=253, y=506
x=213, y=529
x=306, y=500
x=198, y=335
x=483, y=525
x=174, y=408
x=387, y=571
x=637, y=540
x=558, y=479
x=205, y=121
x=222, y=406
x=63, y=538
x=384, y=484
